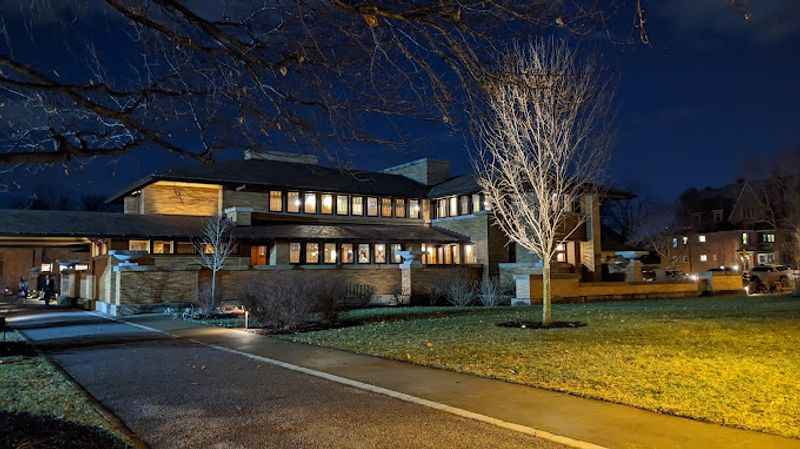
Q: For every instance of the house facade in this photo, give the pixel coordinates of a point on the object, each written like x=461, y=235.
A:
x=400, y=231
x=727, y=227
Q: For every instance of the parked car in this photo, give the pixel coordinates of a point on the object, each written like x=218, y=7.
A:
x=762, y=278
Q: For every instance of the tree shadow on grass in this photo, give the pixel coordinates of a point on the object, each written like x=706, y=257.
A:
x=23, y=430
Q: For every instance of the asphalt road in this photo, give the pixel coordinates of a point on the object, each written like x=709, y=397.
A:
x=178, y=394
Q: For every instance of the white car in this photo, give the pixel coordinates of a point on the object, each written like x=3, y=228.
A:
x=771, y=276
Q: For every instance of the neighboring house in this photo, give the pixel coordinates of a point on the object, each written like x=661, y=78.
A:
x=728, y=227
x=292, y=214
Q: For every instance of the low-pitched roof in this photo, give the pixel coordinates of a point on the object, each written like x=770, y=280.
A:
x=458, y=185
x=270, y=173
x=41, y=223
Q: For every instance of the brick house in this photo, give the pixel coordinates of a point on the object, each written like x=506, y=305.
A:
x=728, y=227
x=292, y=216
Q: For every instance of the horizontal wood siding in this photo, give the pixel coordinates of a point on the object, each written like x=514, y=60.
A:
x=176, y=199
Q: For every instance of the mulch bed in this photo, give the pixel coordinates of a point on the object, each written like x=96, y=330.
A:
x=23, y=430
x=536, y=325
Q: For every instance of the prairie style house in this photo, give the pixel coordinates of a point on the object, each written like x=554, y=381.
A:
x=291, y=216
x=726, y=227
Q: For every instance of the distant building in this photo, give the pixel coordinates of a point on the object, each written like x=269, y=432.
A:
x=731, y=226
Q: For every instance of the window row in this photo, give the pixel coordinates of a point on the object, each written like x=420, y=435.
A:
x=375, y=253
x=351, y=205
x=454, y=206
x=166, y=247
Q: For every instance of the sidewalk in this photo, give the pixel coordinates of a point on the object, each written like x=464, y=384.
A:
x=605, y=424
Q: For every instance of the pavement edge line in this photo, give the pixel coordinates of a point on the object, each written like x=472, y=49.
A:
x=543, y=434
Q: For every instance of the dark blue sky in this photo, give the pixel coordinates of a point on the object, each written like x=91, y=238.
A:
x=712, y=98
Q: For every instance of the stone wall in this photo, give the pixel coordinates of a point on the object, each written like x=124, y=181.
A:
x=180, y=199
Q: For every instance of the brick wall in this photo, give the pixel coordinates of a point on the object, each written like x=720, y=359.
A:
x=17, y=262
x=177, y=199
x=155, y=287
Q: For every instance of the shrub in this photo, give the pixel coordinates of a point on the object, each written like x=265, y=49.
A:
x=437, y=295
x=493, y=294
x=461, y=291
x=289, y=302
x=327, y=293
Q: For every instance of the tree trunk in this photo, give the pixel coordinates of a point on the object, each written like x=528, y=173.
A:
x=547, y=308
x=213, y=291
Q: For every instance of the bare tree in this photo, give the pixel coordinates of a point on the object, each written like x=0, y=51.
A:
x=543, y=144
x=195, y=78
x=214, y=247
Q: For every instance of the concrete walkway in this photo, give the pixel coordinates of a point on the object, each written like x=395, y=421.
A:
x=597, y=422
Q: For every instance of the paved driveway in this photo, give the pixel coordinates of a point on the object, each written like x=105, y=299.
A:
x=178, y=394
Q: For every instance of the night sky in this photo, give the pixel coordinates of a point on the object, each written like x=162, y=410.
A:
x=711, y=99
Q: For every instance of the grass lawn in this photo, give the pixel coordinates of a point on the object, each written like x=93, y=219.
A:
x=729, y=360
x=31, y=388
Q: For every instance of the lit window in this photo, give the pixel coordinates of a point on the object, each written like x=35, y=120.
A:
x=487, y=205
x=358, y=205
x=400, y=208
x=275, y=201
x=380, y=253
x=46, y=267
x=685, y=240
x=327, y=204
x=744, y=238
x=310, y=206
x=440, y=255
x=312, y=252
x=464, y=205
x=396, y=257
x=293, y=202
x=208, y=248
x=456, y=254
x=703, y=258
x=561, y=257
x=413, y=208
x=329, y=254
x=453, y=206
x=476, y=202
x=424, y=254
x=701, y=238
x=469, y=254
x=386, y=207
x=139, y=245
x=294, y=252
x=430, y=255
x=372, y=206
x=347, y=253
x=80, y=267
x=768, y=238
x=441, y=212
x=342, y=204
x=674, y=242
x=162, y=247
x=448, y=254
x=363, y=253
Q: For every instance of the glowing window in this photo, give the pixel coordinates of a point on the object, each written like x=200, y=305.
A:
x=441, y=210
x=464, y=200
x=396, y=257
x=342, y=204
x=703, y=258
x=312, y=252
x=293, y=202
x=372, y=206
x=476, y=202
x=380, y=253
x=162, y=247
x=358, y=205
x=275, y=201
x=453, y=206
x=413, y=208
x=347, y=253
x=329, y=253
x=400, y=208
x=363, y=253
x=310, y=206
x=327, y=204
x=701, y=238
x=139, y=245
x=294, y=252
x=469, y=254
x=386, y=207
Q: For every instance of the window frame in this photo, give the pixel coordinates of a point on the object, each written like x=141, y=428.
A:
x=452, y=211
x=306, y=203
x=280, y=201
x=358, y=253
x=306, y=258
x=401, y=206
x=299, y=247
x=386, y=203
x=411, y=208
x=325, y=247
x=360, y=206
x=394, y=253
x=375, y=253
x=322, y=197
x=463, y=205
x=297, y=204
x=346, y=204
x=371, y=199
x=342, y=252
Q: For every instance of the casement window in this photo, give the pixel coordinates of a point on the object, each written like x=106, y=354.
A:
x=208, y=248
x=441, y=210
x=469, y=254
x=342, y=204
x=162, y=247
x=347, y=253
x=413, y=208
x=456, y=254
x=293, y=202
x=561, y=252
x=139, y=245
x=464, y=210
x=275, y=201
x=372, y=206
x=358, y=205
x=476, y=202
x=685, y=240
x=396, y=257
x=400, y=208
x=768, y=238
x=675, y=242
x=430, y=255
x=312, y=252
x=440, y=255
x=310, y=203
x=487, y=205
x=363, y=253
x=703, y=258
x=453, y=206
x=701, y=238
x=327, y=204
x=185, y=248
x=386, y=207
x=744, y=238
x=329, y=253
x=380, y=253
x=294, y=252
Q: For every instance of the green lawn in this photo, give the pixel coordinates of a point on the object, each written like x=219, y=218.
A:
x=732, y=360
x=30, y=385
